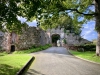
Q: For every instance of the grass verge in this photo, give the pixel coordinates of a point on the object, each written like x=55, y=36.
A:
x=89, y=55
x=40, y=48
x=10, y=64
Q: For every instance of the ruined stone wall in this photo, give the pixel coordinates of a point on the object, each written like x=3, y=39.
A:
x=70, y=38
x=28, y=38
x=32, y=36
x=1, y=39
x=42, y=36
x=6, y=42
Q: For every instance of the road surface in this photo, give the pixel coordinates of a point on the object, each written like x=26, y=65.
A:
x=58, y=61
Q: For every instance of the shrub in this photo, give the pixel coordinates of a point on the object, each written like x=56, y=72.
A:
x=65, y=42
x=89, y=47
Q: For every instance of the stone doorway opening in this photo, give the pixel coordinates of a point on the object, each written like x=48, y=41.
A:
x=55, y=37
x=12, y=48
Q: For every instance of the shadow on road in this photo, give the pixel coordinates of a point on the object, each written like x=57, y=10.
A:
x=34, y=72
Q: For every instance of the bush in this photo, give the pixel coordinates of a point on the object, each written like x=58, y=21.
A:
x=65, y=42
x=89, y=47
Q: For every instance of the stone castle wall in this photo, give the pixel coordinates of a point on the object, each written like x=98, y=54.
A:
x=30, y=36
x=71, y=39
x=35, y=36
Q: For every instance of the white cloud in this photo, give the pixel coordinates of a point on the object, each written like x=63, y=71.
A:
x=88, y=31
x=33, y=23
x=21, y=19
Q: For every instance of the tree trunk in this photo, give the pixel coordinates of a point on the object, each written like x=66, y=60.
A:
x=97, y=26
x=98, y=45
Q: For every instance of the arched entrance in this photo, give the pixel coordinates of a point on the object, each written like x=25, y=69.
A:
x=12, y=48
x=55, y=37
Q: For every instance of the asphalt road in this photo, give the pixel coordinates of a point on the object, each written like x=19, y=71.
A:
x=58, y=61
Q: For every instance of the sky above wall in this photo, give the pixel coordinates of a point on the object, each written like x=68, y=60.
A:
x=88, y=30
x=33, y=23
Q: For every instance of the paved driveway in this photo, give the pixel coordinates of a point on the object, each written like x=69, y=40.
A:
x=58, y=61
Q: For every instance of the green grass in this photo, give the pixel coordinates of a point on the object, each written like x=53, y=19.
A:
x=10, y=64
x=40, y=48
x=3, y=53
x=89, y=55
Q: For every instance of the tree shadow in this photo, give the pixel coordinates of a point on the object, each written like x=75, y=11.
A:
x=7, y=70
x=33, y=72
x=2, y=55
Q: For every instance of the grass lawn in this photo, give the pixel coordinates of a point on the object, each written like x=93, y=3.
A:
x=10, y=64
x=89, y=55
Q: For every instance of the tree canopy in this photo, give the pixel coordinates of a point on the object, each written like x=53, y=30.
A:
x=48, y=10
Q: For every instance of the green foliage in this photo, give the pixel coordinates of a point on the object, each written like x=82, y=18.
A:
x=65, y=42
x=33, y=49
x=62, y=20
x=42, y=10
x=89, y=47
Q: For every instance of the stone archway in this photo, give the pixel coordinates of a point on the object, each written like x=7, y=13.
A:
x=54, y=39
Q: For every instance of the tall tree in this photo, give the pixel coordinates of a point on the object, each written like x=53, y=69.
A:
x=97, y=27
x=78, y=9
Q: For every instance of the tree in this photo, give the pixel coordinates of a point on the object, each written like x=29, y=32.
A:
x=97, y=27
x=11, y=9
x=63, y=20
x=30, y=9
x=79, y=8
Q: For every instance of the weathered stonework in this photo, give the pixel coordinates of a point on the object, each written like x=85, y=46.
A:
x=71, y=39
x=30, y=36
x=35, y=36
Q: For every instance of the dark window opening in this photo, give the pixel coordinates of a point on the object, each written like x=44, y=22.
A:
x=12, y=48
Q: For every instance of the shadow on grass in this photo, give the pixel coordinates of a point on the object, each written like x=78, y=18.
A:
x=7, y=70
x=1, y=55
x=26, y=67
